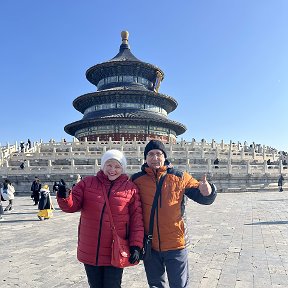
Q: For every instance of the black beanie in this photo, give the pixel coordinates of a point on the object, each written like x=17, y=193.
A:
x=154, y=144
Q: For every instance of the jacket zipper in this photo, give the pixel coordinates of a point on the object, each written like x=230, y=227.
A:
x=101, y=220
x=157, y=216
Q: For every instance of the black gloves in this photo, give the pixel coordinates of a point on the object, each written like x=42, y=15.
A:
x=63, y=192
x=134, y=254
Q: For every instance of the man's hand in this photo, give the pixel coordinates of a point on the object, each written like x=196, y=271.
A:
x=204, y=186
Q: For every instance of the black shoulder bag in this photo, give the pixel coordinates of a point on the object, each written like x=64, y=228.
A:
x=147, y=243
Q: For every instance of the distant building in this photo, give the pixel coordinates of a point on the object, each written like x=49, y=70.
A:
x=126, y=104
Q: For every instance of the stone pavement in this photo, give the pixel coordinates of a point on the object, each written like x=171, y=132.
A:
x=239, y=241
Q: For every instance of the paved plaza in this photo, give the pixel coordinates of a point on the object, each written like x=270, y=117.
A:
x=239, y=241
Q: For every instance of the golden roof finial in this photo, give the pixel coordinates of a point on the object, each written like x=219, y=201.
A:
x=124, y=36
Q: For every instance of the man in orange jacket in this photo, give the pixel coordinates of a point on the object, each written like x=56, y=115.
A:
x=169, y=239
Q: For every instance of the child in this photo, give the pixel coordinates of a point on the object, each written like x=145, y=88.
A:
x=45, y=204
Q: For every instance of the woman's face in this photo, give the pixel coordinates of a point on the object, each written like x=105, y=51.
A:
x=113, y=169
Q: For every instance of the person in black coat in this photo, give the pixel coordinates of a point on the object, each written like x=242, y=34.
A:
x=35, y=188
x=280, y=183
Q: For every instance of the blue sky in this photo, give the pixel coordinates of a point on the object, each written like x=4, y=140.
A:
x=225, y=62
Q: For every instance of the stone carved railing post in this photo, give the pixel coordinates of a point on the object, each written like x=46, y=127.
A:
x=242, y=154
x=248, y=168
x=192, y=143
x=110, y=143
x=217, y=152
x=239, y=146
x=213, y=144
x=139, y=152
x=70, y=152
x=134, y=142
x=265, y=167
x=49, y=166
x=209, y=162
x=222, y=144
x=187, y=164
x=203, y=143
x=72, y=166
x=253, y=153
x=280, y=167
x=274, y=154
x=96, y=166
x=229, y=167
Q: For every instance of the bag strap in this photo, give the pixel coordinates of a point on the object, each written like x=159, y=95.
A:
x=109, y=210
x=154, y=205
x=114, y=232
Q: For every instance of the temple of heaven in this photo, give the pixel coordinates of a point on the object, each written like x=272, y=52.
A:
x=127, y=104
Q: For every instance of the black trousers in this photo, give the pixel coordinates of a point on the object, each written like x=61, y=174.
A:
x=104, y=276
x=9, y=206
x=36, y=197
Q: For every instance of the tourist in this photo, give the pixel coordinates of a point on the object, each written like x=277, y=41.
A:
x=22, y=165
x=1, y=207
x=95, y=234
x=22, y=146
x=55, y=187
x=216, y=162
x=7, y=192
x=280, y=183
x=45, y=204
x=1, y=210
x=29, y=144
x=35, y=188
x=169, y=243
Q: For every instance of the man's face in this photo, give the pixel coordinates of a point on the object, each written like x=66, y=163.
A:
x=155, y=159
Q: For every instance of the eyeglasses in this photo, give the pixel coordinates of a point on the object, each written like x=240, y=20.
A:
x=158, y=155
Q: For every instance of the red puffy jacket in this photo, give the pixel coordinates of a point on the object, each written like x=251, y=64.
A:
x=94, y=235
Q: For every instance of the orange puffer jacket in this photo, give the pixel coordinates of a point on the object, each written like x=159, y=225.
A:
x=169, y=225
x=94, y=232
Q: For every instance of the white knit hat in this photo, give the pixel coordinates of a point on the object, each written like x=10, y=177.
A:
x=114, y=154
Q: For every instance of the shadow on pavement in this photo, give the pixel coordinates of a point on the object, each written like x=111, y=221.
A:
x=268, y=223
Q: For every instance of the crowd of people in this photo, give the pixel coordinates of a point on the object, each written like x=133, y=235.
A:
x=146, y=209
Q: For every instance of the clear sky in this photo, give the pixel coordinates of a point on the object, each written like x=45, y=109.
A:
x=225, y=62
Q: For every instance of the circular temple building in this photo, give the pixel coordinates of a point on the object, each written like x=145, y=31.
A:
x=126, y=104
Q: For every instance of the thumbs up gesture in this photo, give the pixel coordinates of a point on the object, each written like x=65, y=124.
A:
x=204, y=186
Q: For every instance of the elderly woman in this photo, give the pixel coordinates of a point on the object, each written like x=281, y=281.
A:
x=94, y=233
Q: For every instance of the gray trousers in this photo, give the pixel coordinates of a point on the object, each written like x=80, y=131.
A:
x=173, y=263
